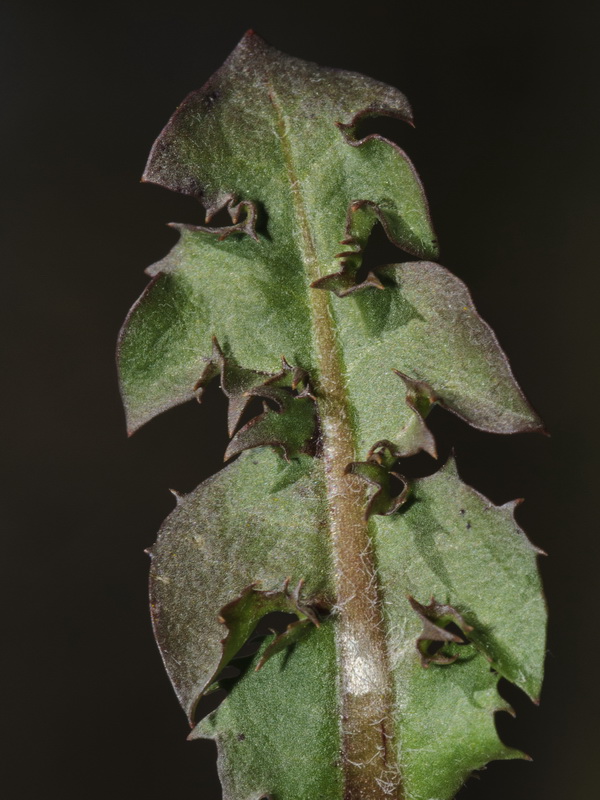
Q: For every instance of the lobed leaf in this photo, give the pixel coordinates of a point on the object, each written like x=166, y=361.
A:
x=206, y=289
x=257, y=522
x=449, y=542
x=409, y=608
x=425, y=326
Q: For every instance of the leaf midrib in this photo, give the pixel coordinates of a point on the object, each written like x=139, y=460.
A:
x=360, y=640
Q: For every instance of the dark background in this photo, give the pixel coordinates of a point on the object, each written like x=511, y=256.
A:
x=506, y=104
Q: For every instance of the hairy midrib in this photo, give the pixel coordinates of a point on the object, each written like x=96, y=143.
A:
x=370, y=764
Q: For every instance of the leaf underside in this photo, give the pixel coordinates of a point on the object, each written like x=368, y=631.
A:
x=448, y=541
x=273, y=140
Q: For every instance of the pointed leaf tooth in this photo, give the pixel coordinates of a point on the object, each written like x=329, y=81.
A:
x=177, y=495
x=211, y=370
x=416, y=436
x=507, y=708
x=395, y=104
x=296, y=754
x=236, y=381
x=165, y=344
x=512, y=505
x=434, y=618
x=381, y=501
x=371, y=281
x=419, y=394
x=181, y=163
x=278, y=396
x=424, y=325
x=441, y=613
x=291, y=428
x=218, y=204
x=412, y=232
x=360, y=220
x=384, y=453
x=293, y=634
x=242, y=614
x=244, y=216
x=466, y=538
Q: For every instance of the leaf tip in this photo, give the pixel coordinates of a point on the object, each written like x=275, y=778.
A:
x=420, y=398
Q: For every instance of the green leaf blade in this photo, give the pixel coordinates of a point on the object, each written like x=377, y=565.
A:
x=205, y=289
x=425, y=325
x=205, y=148
x=278, y=732
x=451, y=543
x=471, y=554
x=246, y=525
x=439, y=750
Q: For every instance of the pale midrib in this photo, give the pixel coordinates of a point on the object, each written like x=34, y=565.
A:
x=370, y=763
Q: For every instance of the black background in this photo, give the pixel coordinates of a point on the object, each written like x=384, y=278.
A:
x=506, y=104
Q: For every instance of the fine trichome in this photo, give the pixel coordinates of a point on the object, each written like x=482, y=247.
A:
x=410, y=603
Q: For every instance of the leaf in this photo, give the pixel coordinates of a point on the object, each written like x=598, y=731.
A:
x=425, y=326
x=448, y=540
x=409, y=603
x=167, y=342
x=238, y=528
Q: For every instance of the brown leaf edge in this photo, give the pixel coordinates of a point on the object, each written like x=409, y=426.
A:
x=294, y=633
x=290, y=426
x=160, y=171
x=235, y=383
x=281, y=389
x=343, y=282
x=435, y=617
x=243, y=214
x=416, y=436
x=241, y=616
x=421, y=397
x=377, y=472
